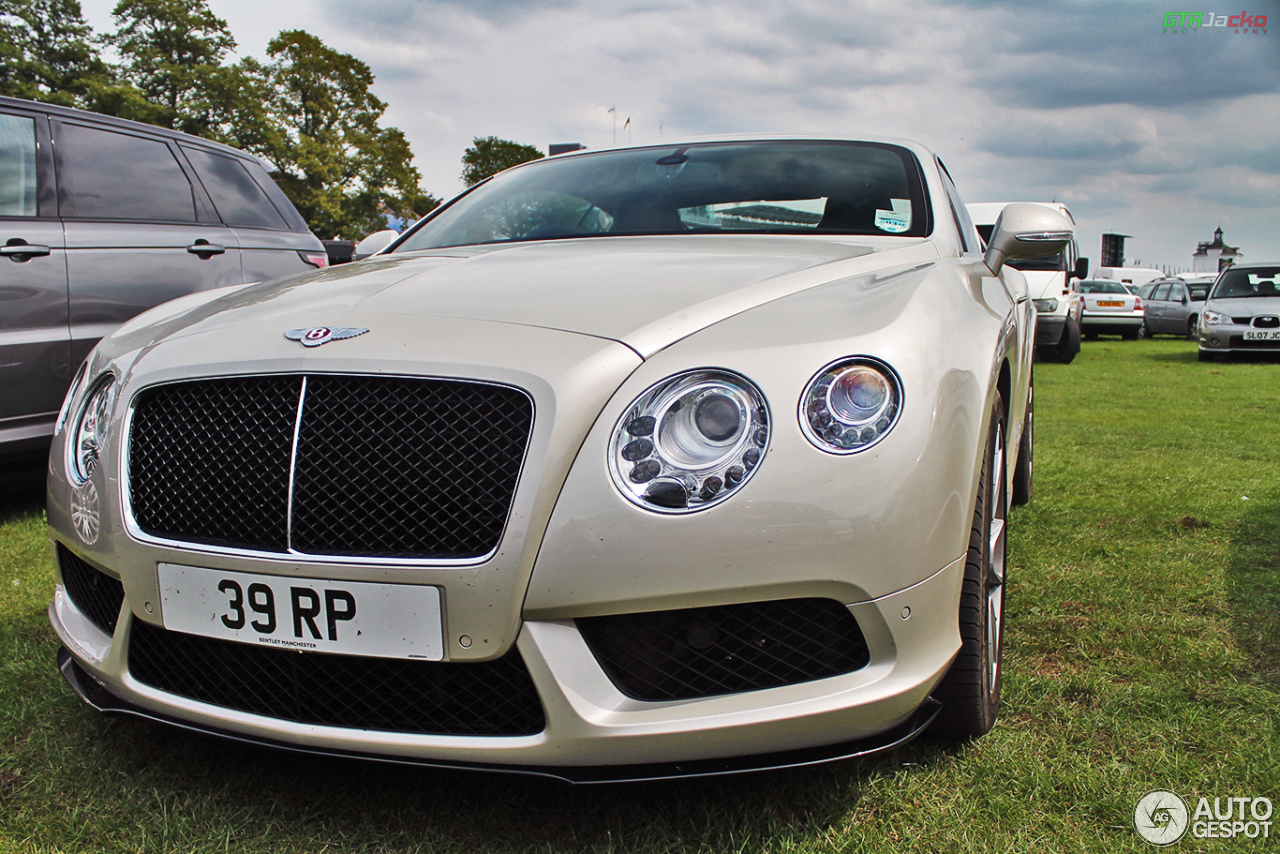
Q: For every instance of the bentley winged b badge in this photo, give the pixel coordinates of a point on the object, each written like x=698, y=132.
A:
x=316, y=335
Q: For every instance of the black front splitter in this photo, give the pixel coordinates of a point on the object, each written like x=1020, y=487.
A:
x=101, y=698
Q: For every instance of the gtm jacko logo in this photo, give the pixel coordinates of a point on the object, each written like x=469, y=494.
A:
x=1191, y=23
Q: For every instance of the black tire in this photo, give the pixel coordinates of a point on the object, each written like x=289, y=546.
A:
x=1193, y=322
x=1091, y=335
x=1068, y=345
x=970, y=692
x=1145, y=330
x=1024, y=469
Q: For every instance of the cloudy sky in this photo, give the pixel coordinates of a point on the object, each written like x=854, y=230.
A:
x=1159, y=134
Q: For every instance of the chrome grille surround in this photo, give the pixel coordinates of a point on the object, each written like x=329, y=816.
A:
x=361, y=479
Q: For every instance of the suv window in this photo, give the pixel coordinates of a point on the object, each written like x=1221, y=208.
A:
x=1162, y=292
x=17, y=166
x=118, y=176
x=238, y=198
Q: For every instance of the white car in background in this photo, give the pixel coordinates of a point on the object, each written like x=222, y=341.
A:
x=624, y=464
x=1112, y=308
x=1052, y=282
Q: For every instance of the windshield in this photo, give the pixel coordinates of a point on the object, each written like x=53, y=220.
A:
x=751, y=187
x=1103, y=288
x=1252, y=282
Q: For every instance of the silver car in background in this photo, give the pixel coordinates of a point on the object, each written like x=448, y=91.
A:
x=1242, y=314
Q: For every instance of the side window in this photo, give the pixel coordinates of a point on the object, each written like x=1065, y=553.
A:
x=959, y=212
x=111, y=175
x=1161, y=293
x=238, y=198
x=17, y=166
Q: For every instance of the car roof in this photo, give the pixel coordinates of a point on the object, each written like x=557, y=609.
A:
x=59, y=111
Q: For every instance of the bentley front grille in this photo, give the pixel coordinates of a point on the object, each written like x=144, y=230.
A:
x=380, y=467
x=702, y=652
x=383, y=694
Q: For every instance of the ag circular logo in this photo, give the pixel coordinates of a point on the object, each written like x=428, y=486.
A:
x=1161, y=817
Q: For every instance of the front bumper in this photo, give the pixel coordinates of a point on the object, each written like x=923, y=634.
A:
x=593, y=731
x=1230, y=339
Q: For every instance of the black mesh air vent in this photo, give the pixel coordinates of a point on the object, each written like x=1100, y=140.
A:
x=387, y=695
x=701, y=652
x=384, y=466
x=94, y=593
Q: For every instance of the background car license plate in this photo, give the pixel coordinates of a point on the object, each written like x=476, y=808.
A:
x=1256, y=335
x=346, y=617
x=1111, y=303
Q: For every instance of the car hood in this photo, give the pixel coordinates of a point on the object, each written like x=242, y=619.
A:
x=1245, y=306
x=645, y=292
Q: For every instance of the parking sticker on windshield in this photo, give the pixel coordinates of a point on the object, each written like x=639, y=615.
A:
x=892, y=221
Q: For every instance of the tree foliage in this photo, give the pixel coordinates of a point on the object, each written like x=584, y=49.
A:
x=309, y=111
x=343, y=170
x=490, y=155
x=48, y=53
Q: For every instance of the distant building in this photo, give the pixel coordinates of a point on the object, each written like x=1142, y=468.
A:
x=1113, y=250
x=1212, y=257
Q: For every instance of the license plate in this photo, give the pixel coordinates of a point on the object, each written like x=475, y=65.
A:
x=1262, y=335
x=1110, y=303
x=306, y=614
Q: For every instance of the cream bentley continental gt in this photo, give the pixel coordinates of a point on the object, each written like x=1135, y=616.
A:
x=658, y=461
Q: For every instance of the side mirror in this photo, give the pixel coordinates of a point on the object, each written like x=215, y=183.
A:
x=1025, y=230
x=374, y=243
x=1082, y=268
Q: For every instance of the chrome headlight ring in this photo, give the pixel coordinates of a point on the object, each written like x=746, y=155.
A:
x=850, y=405
x=690, y=441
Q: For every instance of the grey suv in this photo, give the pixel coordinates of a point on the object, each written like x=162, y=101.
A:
x=102, y=218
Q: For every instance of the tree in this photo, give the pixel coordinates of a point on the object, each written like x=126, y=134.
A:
x=173, y=50
x=344, y=172
x=490, y=155
x=47, y=53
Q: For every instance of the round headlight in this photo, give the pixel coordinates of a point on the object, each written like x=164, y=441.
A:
x=850, y=405
x=690, y=441
x=89, y=436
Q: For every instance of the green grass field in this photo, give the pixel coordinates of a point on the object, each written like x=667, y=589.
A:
x=1143, y=652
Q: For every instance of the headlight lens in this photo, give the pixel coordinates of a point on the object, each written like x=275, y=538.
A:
x=690, y=441
x=90, y=430
x=850, y=405
x=1046, y=305
x=1216, y=318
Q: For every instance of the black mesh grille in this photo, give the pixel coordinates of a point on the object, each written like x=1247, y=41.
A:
x=388, y=695
x=406, y=468
x=209, y=461
x=385, y=466
x=94, y=593
x=701, y=652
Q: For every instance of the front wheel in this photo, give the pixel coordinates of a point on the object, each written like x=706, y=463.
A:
x=970, y=692
x=1193, y=323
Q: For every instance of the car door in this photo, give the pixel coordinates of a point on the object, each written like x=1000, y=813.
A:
x=35, y=348
x=1179, y=307
x=1157, y=309
x=139, y=231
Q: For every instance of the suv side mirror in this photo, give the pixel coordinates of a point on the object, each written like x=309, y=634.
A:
x=1082, y=268
x=375, y=242
x=1025, y=230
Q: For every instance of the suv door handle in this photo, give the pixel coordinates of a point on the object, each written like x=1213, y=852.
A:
x=19, y=250
x=205, y=249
